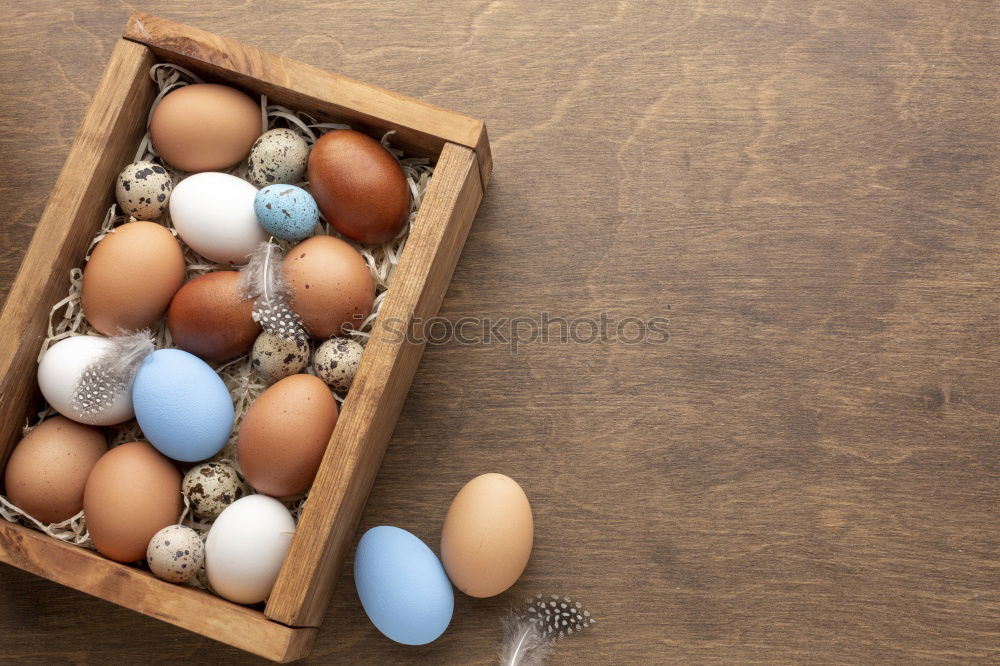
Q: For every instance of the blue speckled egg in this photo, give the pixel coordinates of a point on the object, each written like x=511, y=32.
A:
x=182, y=406
x=402, y=586
x=286, y=212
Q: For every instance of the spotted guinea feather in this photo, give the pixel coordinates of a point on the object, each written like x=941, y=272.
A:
x=111, y=373
x=532, y=630
x=262, y=280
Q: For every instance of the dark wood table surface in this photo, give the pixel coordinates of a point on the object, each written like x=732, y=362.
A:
x=807, y=471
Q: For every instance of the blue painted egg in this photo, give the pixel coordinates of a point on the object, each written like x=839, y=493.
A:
x=402, y=586
x=182, y=406
x=286, y=212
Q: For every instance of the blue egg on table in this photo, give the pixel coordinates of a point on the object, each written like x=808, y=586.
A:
x=402, y=585
x=286, y=212
x=182, y=406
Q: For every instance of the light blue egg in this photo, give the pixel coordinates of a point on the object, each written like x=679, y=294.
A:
x=182, y=406
x=402, y=585
x=286, y=212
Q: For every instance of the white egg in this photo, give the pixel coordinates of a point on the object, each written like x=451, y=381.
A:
x=246, y=546
x=213, y=213
x=60, y=371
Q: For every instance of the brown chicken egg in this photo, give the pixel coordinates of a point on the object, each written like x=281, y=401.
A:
x=205, y=127
x=332, y=288
x=359, y=186
x=210, y=318
x=132, y=274
x=487, y=535
x=284, y=434
x=48, y=469
x=133, y=492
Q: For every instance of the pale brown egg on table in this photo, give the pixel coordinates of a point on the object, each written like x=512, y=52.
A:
x=132, y=274
x=487, y=535
x=48, y=469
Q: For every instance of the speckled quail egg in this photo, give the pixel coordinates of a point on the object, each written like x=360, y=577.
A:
x=211, y=487
x=275, y=357
x=337, y=361
x=143, y=189
x=286, y=212
x=278, y=156
x=175, y=553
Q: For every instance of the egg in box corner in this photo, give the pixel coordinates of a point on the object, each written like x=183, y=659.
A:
x=284, y=627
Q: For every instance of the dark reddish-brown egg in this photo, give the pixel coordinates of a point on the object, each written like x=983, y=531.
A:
x=132, y=274
x=332, y=288
x=284, y=435
x=210, y=318
x=205, y=127
x=48, y=469
x=359, y=186
x=133, y=492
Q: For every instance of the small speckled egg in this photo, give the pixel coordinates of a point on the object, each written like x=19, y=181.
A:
x=211, y=487
x=175, y=553
x=278, y=156
x=286, y=212
x=142, y=190
x=276, y=357
x=337, y=361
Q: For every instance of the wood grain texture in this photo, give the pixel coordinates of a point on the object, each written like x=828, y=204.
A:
x=807, y=471
x=127, y=586
x=369, y=413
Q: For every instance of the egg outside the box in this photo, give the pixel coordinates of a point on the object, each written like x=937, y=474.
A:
x=336, y=362
x=211, y=487
x=359, y=186
x=275, y=357
x=132, y=493
x=284, y=435
x=130, y=278
x=213, y=213
x=278, y=156
x=286, y=212
x=204, y=127
x=175, y=554
x=60, y=371
x=142, y=190
x=487, y=535
x=402, y=586
x=332, y=287
x=48, y=469
x=209, y=317
x=246, y=546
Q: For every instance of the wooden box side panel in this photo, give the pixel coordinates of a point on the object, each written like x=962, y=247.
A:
x=127, y=586
x=111, y=130
x=358, y=444
x=420, y=128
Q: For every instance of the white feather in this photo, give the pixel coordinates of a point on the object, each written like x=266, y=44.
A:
x=524, y=644
x=263, y=280
x=262, y=276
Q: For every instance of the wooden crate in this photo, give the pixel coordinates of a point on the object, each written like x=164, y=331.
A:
x=112, y=128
